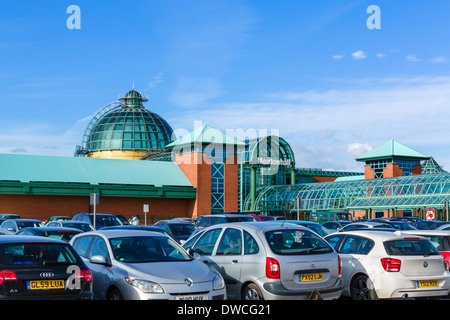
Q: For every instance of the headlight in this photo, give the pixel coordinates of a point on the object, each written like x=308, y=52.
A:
x=145, y=286
x=218, y=282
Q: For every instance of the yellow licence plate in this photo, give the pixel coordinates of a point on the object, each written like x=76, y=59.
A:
x=311, y=277
x=45, y=284
x=427, y=284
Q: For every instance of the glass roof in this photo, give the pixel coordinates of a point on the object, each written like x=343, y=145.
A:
x=400, y=192
x=128, y=126
x=269, y=147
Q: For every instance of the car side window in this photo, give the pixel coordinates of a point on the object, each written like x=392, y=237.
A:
x=99, y=248
x=82, y=245
x=250, y=244
x=205, y=245
x=350, y=245
x=366, y=246
x=230, y=243
x=334, y=240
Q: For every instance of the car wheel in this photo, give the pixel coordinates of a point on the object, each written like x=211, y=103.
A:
x=115, y=295
x=252, y=292
x=362, y=289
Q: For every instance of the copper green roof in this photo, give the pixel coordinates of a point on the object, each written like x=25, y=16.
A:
x=205, y=135
x=392, y=149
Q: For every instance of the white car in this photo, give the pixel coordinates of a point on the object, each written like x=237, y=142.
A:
x=386, y=265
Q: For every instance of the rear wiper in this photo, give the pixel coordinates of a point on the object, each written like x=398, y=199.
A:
x=315, y=249
x=431, y=253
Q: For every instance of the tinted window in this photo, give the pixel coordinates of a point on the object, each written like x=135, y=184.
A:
x=82, y=245
x=182, y=229
x=356, y=245
x=230, y=243
x=205, y=245
x=410, y=247
x=333, y=240
x=250, y=244
x=99, y=248
x=296, y=242
x=36, y=254
x=239, y=219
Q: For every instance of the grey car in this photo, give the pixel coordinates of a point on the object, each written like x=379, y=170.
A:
x=142, y=265
x=269, y=260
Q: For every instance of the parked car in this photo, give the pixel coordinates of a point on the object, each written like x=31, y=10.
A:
x=138, y=227
x=445, y=227
x=59, y=233
x=12, y=226
x=258, y=217
x=33, y=269
x=366, y=225
x=325, y=216
x=439, y=238
x=142, y=265
x=385, y=265
x=410, y=220
x=211, y=220
x=57, y=218
x=179, y=230
x=9, y=216
x=81, y=225
x=430, y=224
x=269, y=260
x=101, y=219
x=335, y=226
x=316, y=227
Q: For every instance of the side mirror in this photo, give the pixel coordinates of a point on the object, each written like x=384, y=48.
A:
x=98, y=260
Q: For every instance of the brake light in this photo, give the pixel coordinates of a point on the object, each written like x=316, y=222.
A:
x=391, y=265
x=446, y=265
x=7, y=276
x=272, y=268
x=339, y=265
x=84, y=274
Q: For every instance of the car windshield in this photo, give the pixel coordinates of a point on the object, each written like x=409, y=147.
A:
x=25, y=224
x=36, y=254
x=105, y=221
x=182, y=229
x=64, y=235
x=82, y=226
x=147, y=249
x=296, y=242
x=410, y=247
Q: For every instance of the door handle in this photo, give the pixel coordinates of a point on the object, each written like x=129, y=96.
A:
x=234, y=261
x=205, y=261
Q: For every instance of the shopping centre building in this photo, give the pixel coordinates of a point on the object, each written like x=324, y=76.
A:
x=130, y=157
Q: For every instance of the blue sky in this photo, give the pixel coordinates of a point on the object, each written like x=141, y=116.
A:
x=310, y=71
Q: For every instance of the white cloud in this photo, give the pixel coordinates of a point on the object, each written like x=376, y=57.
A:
x=439, y=60
x=338, y=57
x=359, y=55
x=412, y=58
x=381, y=55
x=357, y=149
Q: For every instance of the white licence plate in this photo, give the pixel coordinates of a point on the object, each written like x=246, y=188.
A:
x=192, y=297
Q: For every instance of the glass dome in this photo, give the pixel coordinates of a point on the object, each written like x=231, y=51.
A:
x=130, y=127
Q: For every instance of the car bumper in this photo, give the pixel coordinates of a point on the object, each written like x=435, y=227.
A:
x=391, y=286
x=275, y=291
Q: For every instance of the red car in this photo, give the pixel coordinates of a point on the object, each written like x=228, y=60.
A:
x=441, y=240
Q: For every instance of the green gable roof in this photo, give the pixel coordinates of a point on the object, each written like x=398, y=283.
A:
x=205, y=135
x=392, y=149
x=95, y=171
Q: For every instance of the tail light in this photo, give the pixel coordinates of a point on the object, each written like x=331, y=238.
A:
x=446, y=265
x=7, y=276
x=339, y=265
x=391, y=265
x=84, y=274
x=272, y=268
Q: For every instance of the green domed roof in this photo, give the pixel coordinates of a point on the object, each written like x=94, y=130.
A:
x=129, y=126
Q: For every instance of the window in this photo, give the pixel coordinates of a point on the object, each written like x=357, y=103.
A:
x=334, y=240
x=82, y=245
x=99, y=248
x=250, y=244
x=296, y=242
x=205, y=245
x=350, y=245
x=230, y=243
x=410, y=247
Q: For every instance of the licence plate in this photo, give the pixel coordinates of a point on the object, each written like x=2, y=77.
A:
x=45, y=284
x=427, y=284
x=311, y=277
x=193, y=297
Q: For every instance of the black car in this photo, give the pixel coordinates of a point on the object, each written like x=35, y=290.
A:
x=64, y=234
x=179, y=230
x=83, y=226
x=101, y=219
x=33, y=268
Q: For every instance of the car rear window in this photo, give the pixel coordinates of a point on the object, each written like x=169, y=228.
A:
x=36, y=254
x=410, y=247
x=239, y=219
x=296, y=242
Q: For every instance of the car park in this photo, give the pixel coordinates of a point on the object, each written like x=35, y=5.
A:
x=396, y=224
x=179, y=230
x=101, y=219
x=269, y=260
x=59, y=233
x=81, y=225
x=35, y=269
x=325, y=216
x=366, y=225
x=9, y=216
x=385, y=265
x=142, y=265
x=12, y=226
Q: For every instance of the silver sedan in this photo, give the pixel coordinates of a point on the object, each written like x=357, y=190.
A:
x=142, y=265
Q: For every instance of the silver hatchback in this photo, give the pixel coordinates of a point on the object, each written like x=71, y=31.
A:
x=142, y=265
x=269, y=260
